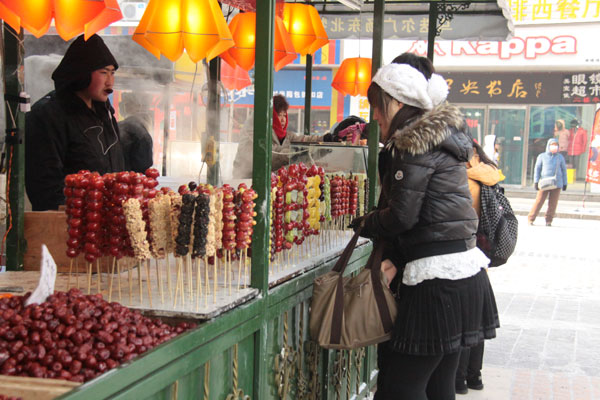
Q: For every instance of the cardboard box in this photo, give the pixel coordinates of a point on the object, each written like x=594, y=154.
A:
x=49, y=228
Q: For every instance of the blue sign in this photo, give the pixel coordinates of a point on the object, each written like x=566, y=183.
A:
x=291, y=84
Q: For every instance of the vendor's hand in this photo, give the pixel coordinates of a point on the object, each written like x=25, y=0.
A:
x=564, y=188
x=328, y=137
x=535, y=185
x=389, y=271
x=356, y=223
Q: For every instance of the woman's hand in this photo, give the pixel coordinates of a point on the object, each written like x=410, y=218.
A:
x=389, y=270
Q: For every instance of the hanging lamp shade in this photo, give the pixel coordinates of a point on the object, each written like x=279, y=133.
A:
x=284, y=48
x=297, y=20
x=321, y=38
x=170, y=26
x=71, y=17
x=305, y=27
x=353, y=77
x=243, y=29
x=234, y=77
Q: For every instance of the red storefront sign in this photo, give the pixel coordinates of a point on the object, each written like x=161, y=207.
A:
x=593, y=168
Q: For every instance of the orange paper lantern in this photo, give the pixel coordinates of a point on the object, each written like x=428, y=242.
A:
x=170, y=26
x=321, y=38
x=71, y=17
x=353, y=77
x=298, y=23
x=304, y=25
x=234, y=78
x=243, y=29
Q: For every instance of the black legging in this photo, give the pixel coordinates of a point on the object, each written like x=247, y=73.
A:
x=406, y=377
x=471, y=362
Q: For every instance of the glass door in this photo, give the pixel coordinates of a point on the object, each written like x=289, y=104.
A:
x=506, y=130
x=475, y=121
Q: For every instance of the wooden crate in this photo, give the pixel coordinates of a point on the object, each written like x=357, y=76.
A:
x=34, y=388
x=49, y=228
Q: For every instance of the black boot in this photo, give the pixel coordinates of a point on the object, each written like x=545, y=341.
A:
x=475, y=383
x=461, y=386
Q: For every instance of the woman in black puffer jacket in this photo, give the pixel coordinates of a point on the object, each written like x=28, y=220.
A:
x=428, y=225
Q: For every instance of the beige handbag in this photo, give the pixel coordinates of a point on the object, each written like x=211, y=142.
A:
x=352, y=312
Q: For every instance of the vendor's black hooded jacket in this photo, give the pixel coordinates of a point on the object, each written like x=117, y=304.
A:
x=63, y=136
x=425, y=205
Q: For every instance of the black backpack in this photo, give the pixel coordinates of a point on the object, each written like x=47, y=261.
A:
x=498, y=226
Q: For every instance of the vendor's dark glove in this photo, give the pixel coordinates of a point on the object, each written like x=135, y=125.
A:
x=564, y=188
x=328, y=137
x=535, y=185
x=356, y=223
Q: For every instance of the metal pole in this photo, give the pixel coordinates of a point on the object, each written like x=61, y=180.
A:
x=212, y=138
x=432, y=32
x=378, y=13
x=261, y=164
x=13, y=56
x=308, y=93
x=261, y=181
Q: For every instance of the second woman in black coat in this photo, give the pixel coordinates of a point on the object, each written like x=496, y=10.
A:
x=426, y=221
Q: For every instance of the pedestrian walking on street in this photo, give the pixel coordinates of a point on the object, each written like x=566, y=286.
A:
x=425, y=220
x=480, y=171
x=550, y=176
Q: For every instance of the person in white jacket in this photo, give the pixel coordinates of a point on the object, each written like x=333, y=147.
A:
x=280, y=139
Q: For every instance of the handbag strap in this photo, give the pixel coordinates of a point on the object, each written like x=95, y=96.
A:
x=342, y=262
x=338, y=304
x=382, y=306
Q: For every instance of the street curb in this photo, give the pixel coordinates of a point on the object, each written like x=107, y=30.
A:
x=561, y=215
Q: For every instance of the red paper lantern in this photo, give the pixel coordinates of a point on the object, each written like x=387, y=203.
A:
x=71, y=17
x=353, y=77
x=234, y=78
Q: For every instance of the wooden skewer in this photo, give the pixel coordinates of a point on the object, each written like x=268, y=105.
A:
x=228, y=266
x=148, y=281
x=178, y=266
x=169, y=286
x=129, y=266
x=188, y=261
x=70, y=270
x=77, y=272
x=246, y=277
x=206, y=281
x=160, y=285
x=89, y=271
x=239, y=272
x=99, y=275
x=119, y=278
x=112, y=274
x=215, y=279
x=139, y=270
x=198, y=284
x=182, y=285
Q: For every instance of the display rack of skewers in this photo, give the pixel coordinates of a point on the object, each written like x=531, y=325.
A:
x=167, y=252
x=310, y=214
x=188, y=252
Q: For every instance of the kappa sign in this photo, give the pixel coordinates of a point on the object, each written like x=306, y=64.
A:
x=529, y=47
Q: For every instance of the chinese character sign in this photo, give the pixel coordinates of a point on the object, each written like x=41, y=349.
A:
x=581, y=87
x=593, y=167
x=506, y=88
x=552, y=11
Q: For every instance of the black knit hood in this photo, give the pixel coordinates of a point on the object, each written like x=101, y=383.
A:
x=81, y=59
x=443, y=126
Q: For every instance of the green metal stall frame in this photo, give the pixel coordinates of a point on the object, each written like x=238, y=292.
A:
x=261, y=349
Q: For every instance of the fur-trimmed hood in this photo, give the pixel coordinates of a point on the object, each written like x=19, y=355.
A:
x=443, y=126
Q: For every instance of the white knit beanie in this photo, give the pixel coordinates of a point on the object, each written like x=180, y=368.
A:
x=409, y=86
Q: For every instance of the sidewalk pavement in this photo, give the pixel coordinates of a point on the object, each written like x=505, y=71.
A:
x=572, y=209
